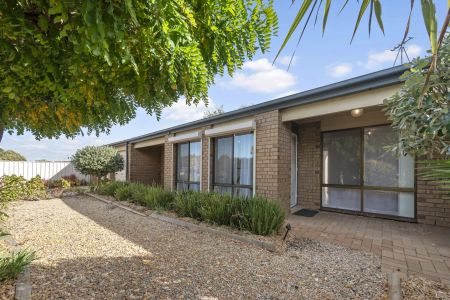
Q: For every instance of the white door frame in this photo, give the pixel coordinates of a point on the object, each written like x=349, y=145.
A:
x=294, y=166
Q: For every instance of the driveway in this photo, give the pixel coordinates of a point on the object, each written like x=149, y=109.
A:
x=91, y=250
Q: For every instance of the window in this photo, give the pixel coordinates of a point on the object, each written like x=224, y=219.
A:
x=359, y=174
x=233, y=165
x=188, y=166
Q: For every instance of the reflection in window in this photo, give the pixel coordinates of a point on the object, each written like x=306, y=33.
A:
x=363, y=175
x=188, y=166
x=341, y=157
x=233, y=165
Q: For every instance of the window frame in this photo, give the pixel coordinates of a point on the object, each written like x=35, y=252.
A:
x=361, y=187
x=188, y=182
x=232, y=185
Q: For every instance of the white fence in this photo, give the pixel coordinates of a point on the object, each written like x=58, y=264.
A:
x=51, y=170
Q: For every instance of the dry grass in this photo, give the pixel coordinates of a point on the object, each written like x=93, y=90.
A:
x=419, y=288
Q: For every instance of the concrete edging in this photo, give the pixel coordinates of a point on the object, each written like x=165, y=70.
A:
x=395, y=288
x=23, y=282
x=193, y=227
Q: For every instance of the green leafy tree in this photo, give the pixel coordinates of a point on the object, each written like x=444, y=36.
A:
x=423, y=123
x=68, y=65
x=97, y=161
x=11, y=155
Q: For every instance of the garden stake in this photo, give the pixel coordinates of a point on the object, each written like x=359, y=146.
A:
x=288, y=227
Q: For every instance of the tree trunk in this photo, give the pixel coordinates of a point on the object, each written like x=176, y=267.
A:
x=2, y=128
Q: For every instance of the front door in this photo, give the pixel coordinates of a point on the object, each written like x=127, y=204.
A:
x=293, y=170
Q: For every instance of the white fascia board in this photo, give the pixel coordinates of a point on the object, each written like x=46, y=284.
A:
x=182, y=137
x=231, y=128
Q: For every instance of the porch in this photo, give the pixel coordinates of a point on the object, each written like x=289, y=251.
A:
x=405, y=247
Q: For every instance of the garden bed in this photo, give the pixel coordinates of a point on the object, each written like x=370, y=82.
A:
x=272, y=243
x=256, y=214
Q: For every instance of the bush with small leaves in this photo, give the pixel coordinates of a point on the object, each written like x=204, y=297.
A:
x=97, y=161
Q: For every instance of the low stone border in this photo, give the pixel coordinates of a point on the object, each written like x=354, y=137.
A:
x=193, y=227
x=23, y=281
x=395, y=288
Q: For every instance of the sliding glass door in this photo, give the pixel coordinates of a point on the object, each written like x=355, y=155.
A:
x=359, y=174
x=188, y=166
x=233, y=165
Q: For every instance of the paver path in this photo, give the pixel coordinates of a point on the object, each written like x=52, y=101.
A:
x=90, y=250
x=412, y=249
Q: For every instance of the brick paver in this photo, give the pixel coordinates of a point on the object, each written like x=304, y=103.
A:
x=404, y=247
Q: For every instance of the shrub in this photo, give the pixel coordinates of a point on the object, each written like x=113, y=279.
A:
x=262, y=216
x=122, y=193
x=12, y=266
x=189, y=204
x=109, y=188
x=13, y=187
x=35, y=189
x=73, y=180
x=97, y=161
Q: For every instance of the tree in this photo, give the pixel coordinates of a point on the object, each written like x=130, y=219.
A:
x=68, y=65
x=11, y=155
x=423, y=123
x=97, y=161
x=210, y=113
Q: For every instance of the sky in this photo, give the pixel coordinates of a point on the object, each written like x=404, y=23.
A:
x=318, y=60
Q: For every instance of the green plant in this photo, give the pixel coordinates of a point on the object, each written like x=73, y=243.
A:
x=109, y=188
x=35, y=188
x=123, y=193
x=262, y=216
x=12, y=266
x=12, y=187
x=67, y=66
x=97, y=161
x=437, y=171
x=11, y=155
x=188, y=204
x=423, y=123
x=158, y=199
x=257, y=215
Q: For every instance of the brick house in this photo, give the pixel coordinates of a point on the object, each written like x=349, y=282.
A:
x=318, y=149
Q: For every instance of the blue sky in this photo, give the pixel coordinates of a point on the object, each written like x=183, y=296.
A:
x=318, y=61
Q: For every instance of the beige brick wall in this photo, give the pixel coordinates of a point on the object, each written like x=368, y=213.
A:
x=273, y=158
x=308, y=191
x=433, y=203
x=145, y=165
x=205, y=164
x=169, y=163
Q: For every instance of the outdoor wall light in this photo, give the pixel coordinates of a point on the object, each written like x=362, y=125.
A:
x=357, y=112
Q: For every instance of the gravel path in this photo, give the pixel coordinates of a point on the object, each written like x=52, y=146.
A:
x=90, y=250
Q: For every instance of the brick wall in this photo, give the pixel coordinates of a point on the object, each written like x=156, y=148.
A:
x=145, y=165
x=273, y=158
x=169, y=163
x=205, y=164
x=308, y=192
x=433, y=203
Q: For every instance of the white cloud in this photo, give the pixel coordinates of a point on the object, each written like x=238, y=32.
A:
x=339, y=70
x=263, y=77
x=285, y=60
x=288, y=93
x=181, y=112
x=379, y=59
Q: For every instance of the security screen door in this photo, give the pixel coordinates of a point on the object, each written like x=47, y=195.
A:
x=359, y=174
